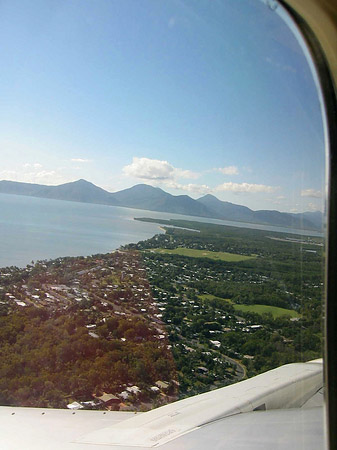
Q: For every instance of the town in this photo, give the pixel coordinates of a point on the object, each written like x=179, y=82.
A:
x=179, y=314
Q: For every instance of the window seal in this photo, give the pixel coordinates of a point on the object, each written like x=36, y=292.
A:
x=326, y=77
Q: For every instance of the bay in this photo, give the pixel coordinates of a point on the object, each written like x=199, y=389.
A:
x=37, y=228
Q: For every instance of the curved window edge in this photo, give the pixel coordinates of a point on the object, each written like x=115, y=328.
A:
x=318, y=37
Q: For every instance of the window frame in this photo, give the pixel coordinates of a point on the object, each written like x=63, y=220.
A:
x=317, y=22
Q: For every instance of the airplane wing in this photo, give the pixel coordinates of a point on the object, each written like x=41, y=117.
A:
x=280, y=409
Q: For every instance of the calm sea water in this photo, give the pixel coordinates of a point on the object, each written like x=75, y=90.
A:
x=36, y=228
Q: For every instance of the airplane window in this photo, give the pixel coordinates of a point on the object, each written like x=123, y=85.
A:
x=163, y=208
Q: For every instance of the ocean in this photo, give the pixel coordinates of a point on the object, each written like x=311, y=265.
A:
x=38, y=228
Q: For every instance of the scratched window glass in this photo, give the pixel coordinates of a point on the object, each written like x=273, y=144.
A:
x=162, y=202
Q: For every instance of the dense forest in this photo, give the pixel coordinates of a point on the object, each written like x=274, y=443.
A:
x=46, y=361
x=68, y=334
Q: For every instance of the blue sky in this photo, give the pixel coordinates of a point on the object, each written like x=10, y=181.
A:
x=192, y=96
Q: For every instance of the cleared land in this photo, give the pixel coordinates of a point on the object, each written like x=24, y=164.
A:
x=257, y=309
x=212, y=297
x=262, y=309
x=192, y=253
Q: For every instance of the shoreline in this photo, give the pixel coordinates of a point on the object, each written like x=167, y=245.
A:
x=43, y=231
x=204, y=219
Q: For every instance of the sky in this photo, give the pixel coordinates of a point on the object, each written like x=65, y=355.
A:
x=196, y=97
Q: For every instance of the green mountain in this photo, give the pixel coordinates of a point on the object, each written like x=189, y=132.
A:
x=231, y=211
x=147, y=197
x=76, y=191
x=226, y=210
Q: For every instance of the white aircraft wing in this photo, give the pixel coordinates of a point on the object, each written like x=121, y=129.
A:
x=280, y=409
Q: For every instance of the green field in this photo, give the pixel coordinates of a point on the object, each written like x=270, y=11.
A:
x=212, y=297
x=261, y=309
x=192, y=253
x=257, y=309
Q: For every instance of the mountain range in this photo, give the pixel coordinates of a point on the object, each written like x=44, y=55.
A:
x=151, y=198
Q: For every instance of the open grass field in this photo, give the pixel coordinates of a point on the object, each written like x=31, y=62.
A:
x=261, y=309
x=192, y=253
x=257, y=309
x=212, y=297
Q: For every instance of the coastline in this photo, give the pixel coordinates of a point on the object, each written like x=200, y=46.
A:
x=37, y=228
x=207, y=219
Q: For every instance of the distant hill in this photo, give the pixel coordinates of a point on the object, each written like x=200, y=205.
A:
x=147, y=197
x=226, y=210
x=281, y=219
x=315, y=217
x=76, y=191
x=231, y=211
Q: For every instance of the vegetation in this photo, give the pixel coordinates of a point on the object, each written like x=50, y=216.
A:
x=261, y=312
x=257, y=309
x=266, y=309
x=73, y=328
x=48, y=361
x=193, y=253
x=167, y=309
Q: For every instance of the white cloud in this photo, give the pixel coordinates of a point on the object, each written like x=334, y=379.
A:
x=44, y=177
x=312, y=207
x=32, y=166
x=34, y=173
x=192, y=188
x=43, y=174
x=50, y=177
x=162, y=173
x=311, y=193
x=80, y=160
x=149, y=169
x=229, y=187
x=180, y=173
x=8, y=175
x=155, y=169
x=244, y=187
x=229, y=170
x=197, y=188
